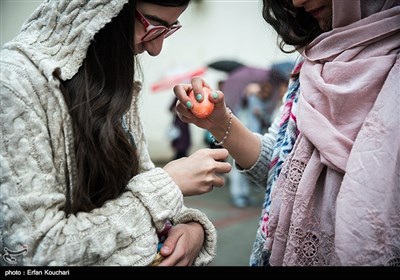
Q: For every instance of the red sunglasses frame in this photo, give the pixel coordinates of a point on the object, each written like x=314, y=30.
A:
x=153, y=31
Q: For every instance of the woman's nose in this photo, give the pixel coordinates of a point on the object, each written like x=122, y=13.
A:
x=154, y=46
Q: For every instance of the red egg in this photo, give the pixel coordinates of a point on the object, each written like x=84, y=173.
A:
x=204, y=108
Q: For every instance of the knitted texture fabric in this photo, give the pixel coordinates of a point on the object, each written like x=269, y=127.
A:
x=38, y=166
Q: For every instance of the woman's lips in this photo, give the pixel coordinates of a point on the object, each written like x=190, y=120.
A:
x=316, y=13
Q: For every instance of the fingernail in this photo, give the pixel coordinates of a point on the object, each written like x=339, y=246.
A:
x=199, y=97
x=215, y=95
x=189, y=105
x=165, y=249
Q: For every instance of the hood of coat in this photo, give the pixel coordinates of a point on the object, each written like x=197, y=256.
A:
x=57, y=35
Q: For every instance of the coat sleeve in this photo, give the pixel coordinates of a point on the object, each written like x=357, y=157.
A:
x=158, y=179
x=168, y=205
x=258, y=173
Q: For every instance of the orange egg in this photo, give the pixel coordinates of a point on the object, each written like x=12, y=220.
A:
x=204, y=108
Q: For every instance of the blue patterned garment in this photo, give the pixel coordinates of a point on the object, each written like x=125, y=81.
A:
x=286, y=137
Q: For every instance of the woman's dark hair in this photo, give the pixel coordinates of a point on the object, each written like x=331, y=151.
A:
x=98, y=96
x=295, y=26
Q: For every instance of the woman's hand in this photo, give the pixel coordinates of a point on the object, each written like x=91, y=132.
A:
x=243, y=145
x=182, y=245
x=218, y=118
x=200, y=172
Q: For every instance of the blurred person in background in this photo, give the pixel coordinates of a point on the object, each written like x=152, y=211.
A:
x=78, y=186
x=279, y=76
x=179, y=134
x=330, y=162
x=265, y=98
x=256, y=111
x=251, y=112
x=260, y=104
x=239, y=184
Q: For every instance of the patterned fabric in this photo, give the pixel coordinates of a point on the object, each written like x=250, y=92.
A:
x=286, y=138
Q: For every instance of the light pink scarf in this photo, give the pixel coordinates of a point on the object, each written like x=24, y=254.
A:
x=337, y=200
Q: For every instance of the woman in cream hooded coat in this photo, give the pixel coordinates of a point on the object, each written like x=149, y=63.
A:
x=77, y=184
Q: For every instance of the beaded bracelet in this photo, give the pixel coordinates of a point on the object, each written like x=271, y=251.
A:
x=226, y=131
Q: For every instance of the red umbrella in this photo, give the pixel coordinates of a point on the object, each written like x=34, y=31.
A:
x=236, y=82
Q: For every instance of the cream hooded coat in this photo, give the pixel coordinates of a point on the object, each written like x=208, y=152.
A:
x=38, y=164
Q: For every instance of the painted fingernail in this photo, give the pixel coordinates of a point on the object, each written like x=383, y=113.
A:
x=214, y=95
x=189, y=105
x=199, y=97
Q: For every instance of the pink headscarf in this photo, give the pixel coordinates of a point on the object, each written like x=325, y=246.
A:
x=349, y=122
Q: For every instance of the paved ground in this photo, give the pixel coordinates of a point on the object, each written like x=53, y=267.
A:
x=236, y=227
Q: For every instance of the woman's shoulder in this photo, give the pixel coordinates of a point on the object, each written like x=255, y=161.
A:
x=18, y=70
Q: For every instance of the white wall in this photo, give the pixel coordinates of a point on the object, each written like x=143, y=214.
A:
x=212, y=30
x=12, y=14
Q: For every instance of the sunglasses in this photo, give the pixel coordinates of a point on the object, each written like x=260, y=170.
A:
x=152, y=31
